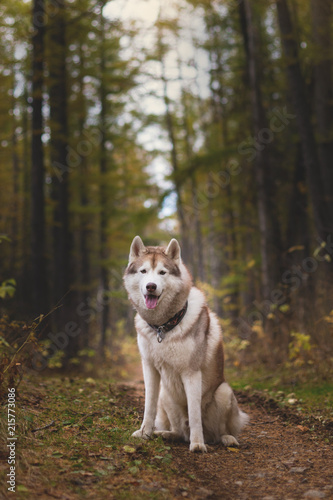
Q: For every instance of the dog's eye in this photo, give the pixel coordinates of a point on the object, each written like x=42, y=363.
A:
x=143, y=271
x=162, y=273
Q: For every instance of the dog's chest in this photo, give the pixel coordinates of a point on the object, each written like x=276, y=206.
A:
x=168, y=356
x=171, y=359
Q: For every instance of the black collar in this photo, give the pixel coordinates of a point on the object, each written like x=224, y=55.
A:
x=170, y=324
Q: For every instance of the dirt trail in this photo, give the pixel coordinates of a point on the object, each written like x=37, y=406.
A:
x=278, y=459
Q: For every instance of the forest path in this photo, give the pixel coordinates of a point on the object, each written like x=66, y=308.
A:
x=277, y=458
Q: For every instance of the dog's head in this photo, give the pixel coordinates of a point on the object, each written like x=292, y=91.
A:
x=155, y=276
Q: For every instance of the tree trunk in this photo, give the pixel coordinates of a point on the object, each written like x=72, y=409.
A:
x=216, y=263
x=298, y=228
x=184, y=238
x=322, y=210
x=84, y=232
x=198, y=257
x=26, y=222
x=175, y=166
x=323, y=90
x=60, y=169
x=298, y=240
x=38, y=267
x=104, y=275
x=15, y=198
x=251, y=44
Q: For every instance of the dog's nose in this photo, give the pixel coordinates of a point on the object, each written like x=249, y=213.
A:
x=151, y=287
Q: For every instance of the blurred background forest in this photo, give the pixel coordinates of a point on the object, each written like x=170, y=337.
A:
x=209, y=121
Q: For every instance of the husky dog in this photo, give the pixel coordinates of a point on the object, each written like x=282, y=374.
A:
x=180, y=342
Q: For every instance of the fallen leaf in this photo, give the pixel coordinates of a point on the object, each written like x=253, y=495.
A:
x=20, y=487
x=129, y=449
x=303, y=428
x=90, y=381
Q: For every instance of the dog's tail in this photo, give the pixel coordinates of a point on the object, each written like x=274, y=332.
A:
x=232, y=418
x=238, y=418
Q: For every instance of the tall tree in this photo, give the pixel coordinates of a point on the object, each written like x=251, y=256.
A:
x=198, y=257
x=103, y=169
x=85, y=233
x=170, y=126
x=38, y=267
x=322, y=209
x=251, y=43
x=59, y=161
x=226, y=237
x=323, y=90
x=15, y=176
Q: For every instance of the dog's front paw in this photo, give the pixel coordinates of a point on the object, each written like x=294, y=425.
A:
x=198, y=447
x=141, y=434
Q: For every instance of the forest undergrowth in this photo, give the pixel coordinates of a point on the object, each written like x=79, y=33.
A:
x=74, y=441
x=74, y=429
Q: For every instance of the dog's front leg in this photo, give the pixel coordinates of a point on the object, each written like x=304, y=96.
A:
x=152, y=386
x=193, y=388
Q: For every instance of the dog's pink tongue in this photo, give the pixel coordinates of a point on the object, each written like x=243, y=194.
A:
x=151, y=301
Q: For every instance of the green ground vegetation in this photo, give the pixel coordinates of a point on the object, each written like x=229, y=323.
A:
x=305, y=394
x=74, y=435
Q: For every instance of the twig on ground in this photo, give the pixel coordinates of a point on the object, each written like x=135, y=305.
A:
x=44, y=427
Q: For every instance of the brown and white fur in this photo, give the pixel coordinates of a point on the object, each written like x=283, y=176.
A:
x=186, y=396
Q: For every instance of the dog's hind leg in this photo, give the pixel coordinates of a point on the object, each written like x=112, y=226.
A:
x=171, y=421
x=162, y=422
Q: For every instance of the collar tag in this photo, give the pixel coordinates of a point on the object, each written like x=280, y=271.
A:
x=160, y=334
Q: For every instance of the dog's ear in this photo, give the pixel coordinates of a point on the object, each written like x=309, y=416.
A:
x=173, y=250
x=137, y=248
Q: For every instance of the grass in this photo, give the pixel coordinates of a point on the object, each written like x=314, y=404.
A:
x=300, y=390
x=74, y=436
